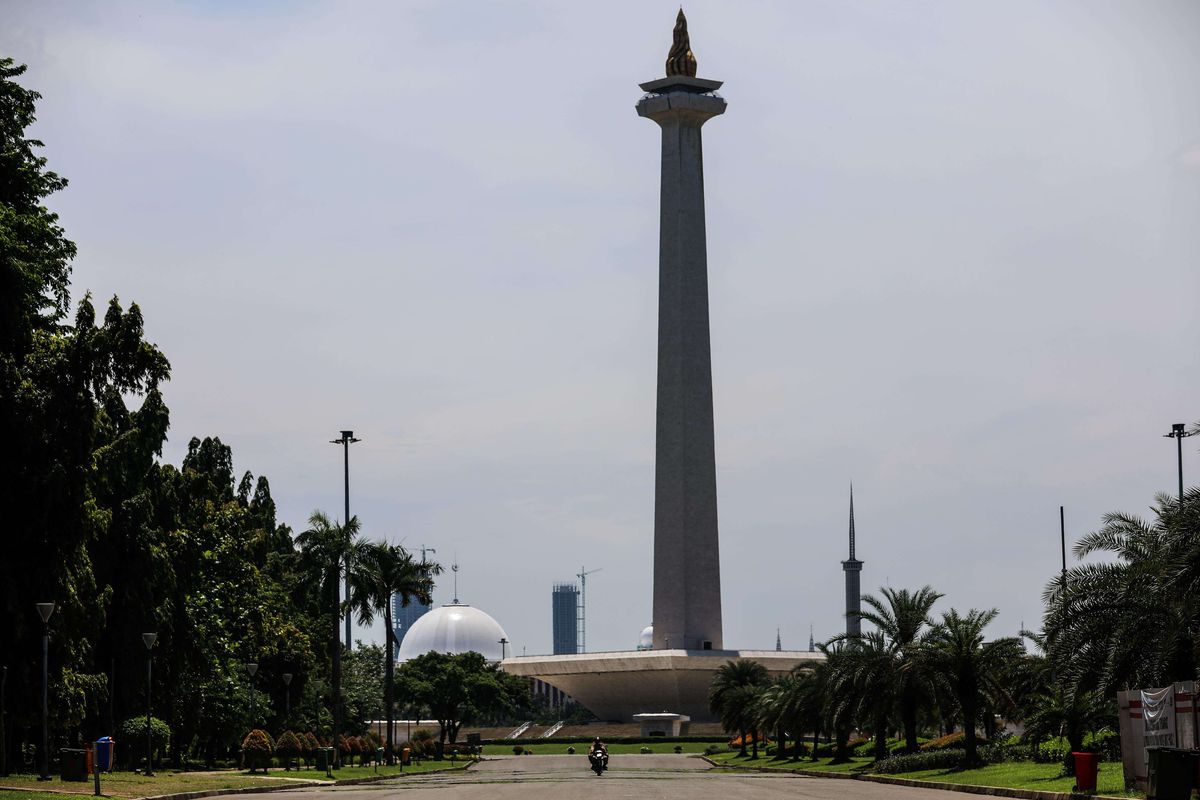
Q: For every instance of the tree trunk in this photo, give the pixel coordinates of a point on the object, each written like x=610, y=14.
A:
x=970, y=712
x=908, y=712
x=841, y=754
x=881, y=751
x=754, y=743
x=780, y=741
x=742, y=753
x=816, y=742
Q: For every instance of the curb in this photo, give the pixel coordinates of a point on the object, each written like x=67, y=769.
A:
x=969, y=788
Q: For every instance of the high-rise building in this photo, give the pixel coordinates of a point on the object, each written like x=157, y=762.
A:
x=853, y=569
x=564, y=603
x=403, y=617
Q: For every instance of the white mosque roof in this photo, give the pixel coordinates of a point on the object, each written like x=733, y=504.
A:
x=454, y=628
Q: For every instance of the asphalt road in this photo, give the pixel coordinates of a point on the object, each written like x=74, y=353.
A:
x=642, y=777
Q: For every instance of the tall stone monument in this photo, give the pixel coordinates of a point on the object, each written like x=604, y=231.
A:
x=687, y=573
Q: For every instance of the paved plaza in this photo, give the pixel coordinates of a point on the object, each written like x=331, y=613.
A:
x=647, y=777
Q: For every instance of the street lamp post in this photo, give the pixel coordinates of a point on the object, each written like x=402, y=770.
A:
x=148, y=639
x=345, y=441
x=44, y=611
x=251, y=668
x=287, y=695
x=503, y=648
x=1179, y=434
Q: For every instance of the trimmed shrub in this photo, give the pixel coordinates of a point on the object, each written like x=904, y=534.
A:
x=256, y=750
x=289, y=746
x=678, y=748
x=951, y=741
x=518, y=749
x=132, y=732
x=928, y=759
x=645, y=750
x=571, y=751
x=713, y=749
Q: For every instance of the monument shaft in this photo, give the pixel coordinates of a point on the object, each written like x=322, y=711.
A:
x=687, y=575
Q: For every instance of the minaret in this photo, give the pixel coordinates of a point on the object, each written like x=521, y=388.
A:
x=778, y=641
x=687, y=573
x=852, y=567
x=812, y=646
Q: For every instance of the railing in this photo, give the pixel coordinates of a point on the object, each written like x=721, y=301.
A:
x=554, y=729
x=524, y=727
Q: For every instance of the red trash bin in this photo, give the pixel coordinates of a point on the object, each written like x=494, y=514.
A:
x=1086, y=767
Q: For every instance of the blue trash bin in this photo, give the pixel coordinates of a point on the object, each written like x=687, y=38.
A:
x=104, y=753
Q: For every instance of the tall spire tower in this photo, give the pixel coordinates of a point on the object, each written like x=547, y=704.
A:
x=687, y=573
x=853, y=567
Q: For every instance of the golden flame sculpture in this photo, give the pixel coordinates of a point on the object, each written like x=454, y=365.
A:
x=680, y=60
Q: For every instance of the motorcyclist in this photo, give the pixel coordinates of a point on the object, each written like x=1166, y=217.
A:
x=599, y=751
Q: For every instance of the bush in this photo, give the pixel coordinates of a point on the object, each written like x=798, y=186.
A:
x=645, y=750
x=571, y=751
x=712, y=749
x=928, y=759
x=289, y=746
x=132, y=732
x=518, y=749
x=256, y=750
x=951, y=741
x=678, y=748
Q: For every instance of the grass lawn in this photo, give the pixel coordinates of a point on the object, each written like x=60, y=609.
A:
x=131, y=785
x=581, y=748
x=1024, y=775
x=732, y=759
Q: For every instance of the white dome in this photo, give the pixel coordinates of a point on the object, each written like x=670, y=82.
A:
x=646, y=640
x=453, y=629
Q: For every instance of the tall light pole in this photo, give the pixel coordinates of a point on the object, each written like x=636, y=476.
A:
x=287, y=695
x=251, y=668
x=345, y=441
x=148, y=640
x=1179, y=434
x=44, y=611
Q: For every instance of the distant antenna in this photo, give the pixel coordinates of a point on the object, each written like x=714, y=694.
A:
x=454, y=569
x=582, y=575
x=425, y=550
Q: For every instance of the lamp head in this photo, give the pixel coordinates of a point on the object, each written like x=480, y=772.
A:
x=1177, y=428
x=148, y=639
x=252, y=668
x=45, y=610
x=287, y=679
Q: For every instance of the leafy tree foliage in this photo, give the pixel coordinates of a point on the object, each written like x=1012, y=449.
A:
x=734, y=694
x=459, y=689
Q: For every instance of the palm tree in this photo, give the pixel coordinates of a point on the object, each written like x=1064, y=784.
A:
x=732, y=694
x=1131, y=621
x=325, y=546
x=1070, y=714
x=865, y=674
x=968, y=664
x=902, y=617
x=838, y=709
x=383, y=571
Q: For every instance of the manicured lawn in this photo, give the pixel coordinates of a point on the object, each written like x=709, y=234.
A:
x=1023, y=775
x=131, y=785
x=581, y=748
x=821, y=765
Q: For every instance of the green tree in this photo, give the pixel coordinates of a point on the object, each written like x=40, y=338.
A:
x=902, y=618
x=969, y=664
x=1130, y=621
x=381, y=572
x=864, y=674
x=1070, y=714
x=733, y=693
x=326, y=547
x=459, y=688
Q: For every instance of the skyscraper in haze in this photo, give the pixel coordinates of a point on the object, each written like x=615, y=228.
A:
x=564, y=603
x=403, y=617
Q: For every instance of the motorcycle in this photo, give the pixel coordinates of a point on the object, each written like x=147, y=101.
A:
x=599, y=760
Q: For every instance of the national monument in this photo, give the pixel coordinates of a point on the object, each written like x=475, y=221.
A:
x=688, y=643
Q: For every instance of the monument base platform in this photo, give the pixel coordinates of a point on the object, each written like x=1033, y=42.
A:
x=616, y=686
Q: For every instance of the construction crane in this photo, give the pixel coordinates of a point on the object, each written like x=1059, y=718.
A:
x=582, y=575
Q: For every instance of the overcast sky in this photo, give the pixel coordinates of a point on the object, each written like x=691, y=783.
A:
x=953, y=258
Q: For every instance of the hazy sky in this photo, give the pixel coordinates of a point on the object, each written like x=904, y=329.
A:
x=953, y=254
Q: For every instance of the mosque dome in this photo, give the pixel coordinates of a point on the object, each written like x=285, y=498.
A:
x=646, y=640
x=454, y=628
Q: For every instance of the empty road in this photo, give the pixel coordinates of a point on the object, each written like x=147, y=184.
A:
x=644, y=777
